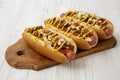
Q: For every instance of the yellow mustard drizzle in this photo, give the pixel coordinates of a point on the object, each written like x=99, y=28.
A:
x=69, y=28
x=81, y=33
x=64, y=25
x=39, y=33
x=85, y=26
x=73, y=17
x=69, y=41
x=74, y=13
x=87, y=33
x=59, y=47
x=58, y=25
x=36, y=39
x=102, y=24
x=53, y=34
x=54, y=22
x=48, y=21
x=33, y=32
x=83, y=18
x=95, y=21
x=91, y=18
x=46, y=41
x=66, y=15
x=34, y=28
x=47, y=26
x=68, y=12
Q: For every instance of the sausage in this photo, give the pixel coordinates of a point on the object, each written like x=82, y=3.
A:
x=62, y=15
x=70, y=55
x=91, y=40
x=108, y=31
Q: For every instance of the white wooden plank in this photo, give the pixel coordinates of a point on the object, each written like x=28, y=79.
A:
x=16, y=15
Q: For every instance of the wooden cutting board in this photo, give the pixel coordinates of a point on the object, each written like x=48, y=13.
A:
x=19, y=55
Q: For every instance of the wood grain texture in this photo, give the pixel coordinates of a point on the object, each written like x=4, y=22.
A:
x=16, y=15
x=20, y=56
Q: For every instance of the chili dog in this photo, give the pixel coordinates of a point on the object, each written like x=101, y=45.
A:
x=102, y=26
x=50, y=43
x=84, y=37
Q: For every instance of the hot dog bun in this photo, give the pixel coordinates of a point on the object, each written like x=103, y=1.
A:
x=37, y=39
x=85, y=37
x=102, y=26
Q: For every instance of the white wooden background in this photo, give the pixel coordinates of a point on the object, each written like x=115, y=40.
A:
x=16, y=15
